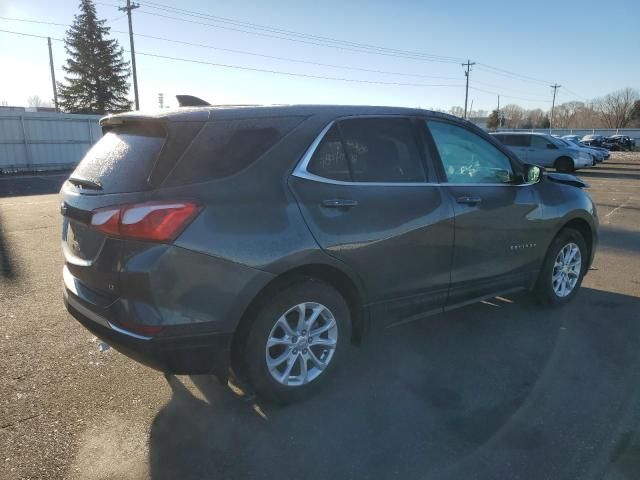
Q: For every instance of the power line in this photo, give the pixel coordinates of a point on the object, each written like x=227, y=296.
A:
x=31, y=35
x=502, y=71
x=298, y=40
x=295, y=74
x=263, y=70
x=509, y=96
x=193, y=13
x=201, y=15
x=244, y=52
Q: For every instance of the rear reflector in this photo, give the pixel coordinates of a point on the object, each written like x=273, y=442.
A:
x=152, y=221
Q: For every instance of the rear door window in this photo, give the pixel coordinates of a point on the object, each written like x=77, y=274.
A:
x=330, y=159
x=382, y=150
x=225, y=147
x=370, y=150
x=123, y=158
x=516, y=140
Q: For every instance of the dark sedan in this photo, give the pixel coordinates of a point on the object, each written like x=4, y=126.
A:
x=270, y=238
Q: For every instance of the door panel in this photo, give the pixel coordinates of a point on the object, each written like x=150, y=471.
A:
x=497, y=240
x=497, y=223
x=397, y=238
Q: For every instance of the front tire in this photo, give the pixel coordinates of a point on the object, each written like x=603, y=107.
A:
x=299, y=337
x=563, y=269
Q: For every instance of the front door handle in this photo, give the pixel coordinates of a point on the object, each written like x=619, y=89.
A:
x=469, y=200
x=339, y=203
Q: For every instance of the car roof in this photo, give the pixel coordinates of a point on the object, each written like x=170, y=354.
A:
x=242, y=111
x=541, y=134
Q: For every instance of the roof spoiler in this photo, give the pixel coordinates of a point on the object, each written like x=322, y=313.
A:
x=191, y=101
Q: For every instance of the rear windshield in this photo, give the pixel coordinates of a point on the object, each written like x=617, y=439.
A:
x=123, y=158
x=225, y=147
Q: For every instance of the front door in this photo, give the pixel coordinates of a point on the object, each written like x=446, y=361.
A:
x=497, y=228
x=363, y=192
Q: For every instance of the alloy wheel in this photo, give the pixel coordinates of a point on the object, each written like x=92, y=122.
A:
x=566, y=270
x=301, y=344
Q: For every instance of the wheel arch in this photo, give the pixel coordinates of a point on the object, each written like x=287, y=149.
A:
x=585, y=229
x=340, y=280
x=562, y=157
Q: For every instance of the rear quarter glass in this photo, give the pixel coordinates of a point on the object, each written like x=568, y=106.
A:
x=225, y=147
x=123, y=158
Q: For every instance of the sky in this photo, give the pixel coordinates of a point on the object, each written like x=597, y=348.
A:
x=587, y=47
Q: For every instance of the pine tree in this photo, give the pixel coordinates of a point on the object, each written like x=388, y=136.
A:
x=97, y=74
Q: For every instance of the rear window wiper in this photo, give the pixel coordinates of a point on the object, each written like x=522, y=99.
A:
x=85, y=183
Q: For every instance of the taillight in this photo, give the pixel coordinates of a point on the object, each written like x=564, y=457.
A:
x=152, y=221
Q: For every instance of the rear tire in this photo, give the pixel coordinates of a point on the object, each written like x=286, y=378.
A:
x=564, y=164
x=563, y=269
x=284, y=360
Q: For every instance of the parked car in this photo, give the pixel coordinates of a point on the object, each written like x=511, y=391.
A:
x=595, y=154
x=601, y=153
x=593, y=140
x=622, y=142
x=269, y=238
x=545, y=150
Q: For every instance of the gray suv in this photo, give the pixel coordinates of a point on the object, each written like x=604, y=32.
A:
x=545, y=150
x=266, y=239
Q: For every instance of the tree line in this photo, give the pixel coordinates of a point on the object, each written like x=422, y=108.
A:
x=619, y=109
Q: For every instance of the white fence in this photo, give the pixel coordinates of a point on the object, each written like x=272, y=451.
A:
x=40, y=141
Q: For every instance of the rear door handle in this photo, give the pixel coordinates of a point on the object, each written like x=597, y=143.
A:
x=339, y=203
x=469, y=200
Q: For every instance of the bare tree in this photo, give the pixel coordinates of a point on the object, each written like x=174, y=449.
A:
x=457, y=111
x=37, y=101
x=616, y=109
x=513, y=116
x=4, y=103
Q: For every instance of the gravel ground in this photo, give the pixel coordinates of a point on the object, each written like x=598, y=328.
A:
x=500, y=389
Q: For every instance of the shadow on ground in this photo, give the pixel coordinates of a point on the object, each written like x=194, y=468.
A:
x=608, y=174
x=7, y=268
x=500, y=389
x=23, y=185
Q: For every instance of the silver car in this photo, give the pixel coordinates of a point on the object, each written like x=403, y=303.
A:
x=545, y=150
x=597, y=155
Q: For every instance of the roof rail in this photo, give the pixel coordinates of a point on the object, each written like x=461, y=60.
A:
x=191, y=101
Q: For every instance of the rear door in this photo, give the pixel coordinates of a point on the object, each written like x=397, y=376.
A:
x=365, y=194
x=519, y=144
x=497, y=228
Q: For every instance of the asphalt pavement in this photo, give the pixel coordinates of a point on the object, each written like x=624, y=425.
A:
x=502, y=389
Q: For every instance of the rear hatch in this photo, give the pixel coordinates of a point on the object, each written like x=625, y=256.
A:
x=120, y=174
x=134, y=191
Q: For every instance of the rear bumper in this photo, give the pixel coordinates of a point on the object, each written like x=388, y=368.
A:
x=187, y=354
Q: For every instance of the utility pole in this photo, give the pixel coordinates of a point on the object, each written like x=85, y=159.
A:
x=555, y=87
x=469, y=64
x=132, y=6
x=499, y=116
x=53, y=76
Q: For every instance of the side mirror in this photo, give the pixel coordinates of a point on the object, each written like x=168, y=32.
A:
x=532, y=173
x=551, y=146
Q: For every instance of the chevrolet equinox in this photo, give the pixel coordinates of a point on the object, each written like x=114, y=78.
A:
x=267, y=239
